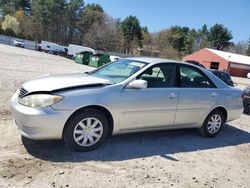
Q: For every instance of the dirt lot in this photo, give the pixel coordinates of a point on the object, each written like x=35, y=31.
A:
x=160, y=159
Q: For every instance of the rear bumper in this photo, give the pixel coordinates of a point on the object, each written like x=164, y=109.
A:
x=234, y=112
x=38, y=124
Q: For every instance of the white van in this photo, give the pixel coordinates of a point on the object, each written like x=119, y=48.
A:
x=114, y=58
x=52, y=48
x=48, y=46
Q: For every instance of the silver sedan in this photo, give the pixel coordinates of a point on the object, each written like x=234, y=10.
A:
x=129, y=95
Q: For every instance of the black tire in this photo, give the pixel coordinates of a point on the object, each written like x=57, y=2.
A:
x=205, y=130
x=73, y=122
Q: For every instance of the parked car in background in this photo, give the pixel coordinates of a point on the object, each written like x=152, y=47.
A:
x=246, y=99
x=47, y=46
x=248, y=75
x=53, y=48
x=224, y=76
x=114, y=58
x=129, y=95
x=18, y=43
x=61, y=52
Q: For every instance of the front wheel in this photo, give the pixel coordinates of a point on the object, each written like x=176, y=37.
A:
x=212, y=124
x=86, y=130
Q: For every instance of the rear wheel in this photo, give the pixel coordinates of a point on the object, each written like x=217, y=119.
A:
x=86, y=130
x=212, y=124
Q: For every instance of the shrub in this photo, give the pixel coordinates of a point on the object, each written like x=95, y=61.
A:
x=9, y=32
x=10, y=24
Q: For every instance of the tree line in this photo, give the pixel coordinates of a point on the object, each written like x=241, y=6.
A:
x=74, y=22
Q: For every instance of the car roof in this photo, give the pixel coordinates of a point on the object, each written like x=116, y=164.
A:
x=152, y=60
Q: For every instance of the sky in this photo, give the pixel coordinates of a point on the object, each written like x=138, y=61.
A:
x=160, y=14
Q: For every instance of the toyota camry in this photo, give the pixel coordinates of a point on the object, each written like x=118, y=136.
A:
x=129, y=95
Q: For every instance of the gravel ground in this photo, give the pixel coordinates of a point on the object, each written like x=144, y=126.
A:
x=158, y=159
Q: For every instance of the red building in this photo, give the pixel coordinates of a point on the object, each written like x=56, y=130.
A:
x=235, y=64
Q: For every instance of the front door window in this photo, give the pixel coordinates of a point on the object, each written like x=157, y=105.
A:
x=160, y=76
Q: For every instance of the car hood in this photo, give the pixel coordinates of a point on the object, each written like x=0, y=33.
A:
x=64, y=81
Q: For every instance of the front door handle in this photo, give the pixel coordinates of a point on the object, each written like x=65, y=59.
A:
x=213, y=94
x=171, y=96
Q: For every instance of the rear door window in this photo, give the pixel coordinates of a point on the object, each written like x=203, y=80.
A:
x=191, y=77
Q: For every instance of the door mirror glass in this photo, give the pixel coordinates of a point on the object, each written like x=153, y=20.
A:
x=138, y=84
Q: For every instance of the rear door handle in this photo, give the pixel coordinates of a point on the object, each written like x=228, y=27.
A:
x=213, y=94
x=171, y=96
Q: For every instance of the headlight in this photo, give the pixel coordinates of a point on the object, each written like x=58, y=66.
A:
x=39, y=100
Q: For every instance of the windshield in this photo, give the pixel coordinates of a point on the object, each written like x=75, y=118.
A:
x=118, y=71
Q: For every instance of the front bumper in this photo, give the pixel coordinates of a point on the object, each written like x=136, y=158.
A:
x=38, y=124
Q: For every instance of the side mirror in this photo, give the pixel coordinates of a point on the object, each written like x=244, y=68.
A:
x=138, y=84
